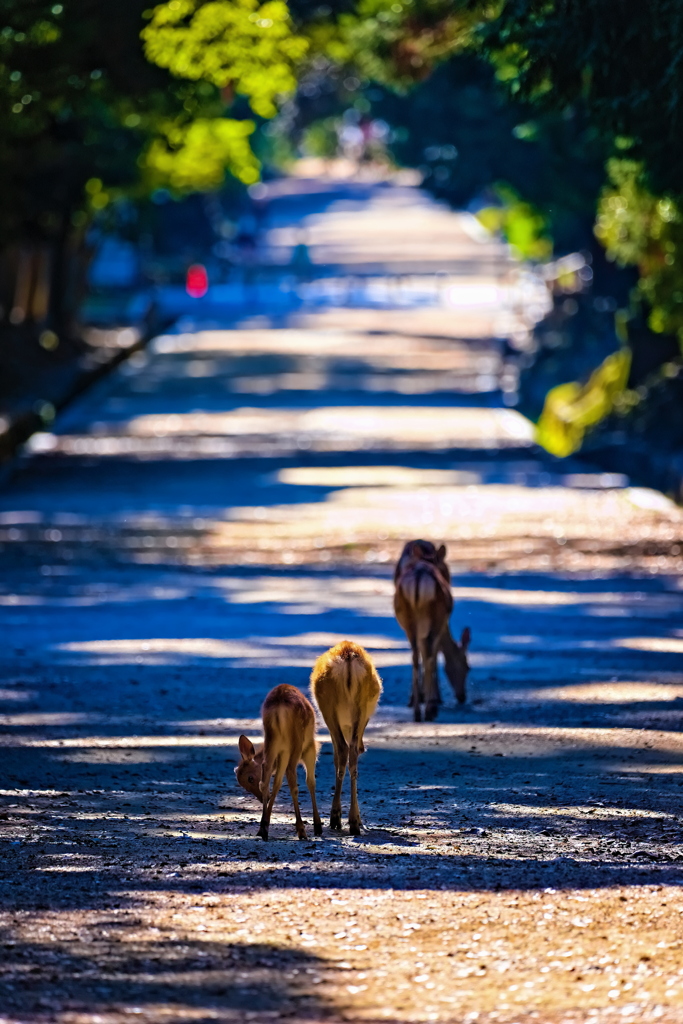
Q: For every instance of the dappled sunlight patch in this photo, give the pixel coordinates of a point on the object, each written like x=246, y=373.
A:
x=529, y=741
x=491, y=659
x=658, y=644
x=647, y=498
x=49, y=719
x=488, y=527
x=595, y=481
x=606, y=692
x=203, y=647
x=17, y=695
x=527, y=598
x=325, y=640
x=332, y=428
x=70, y=863
x=293, y=651
x=290, y=652
x=371, y=597
x=374, y=476
x=115, y=742
x=589, y=812
x=20, y=517
x=160, y=651
x=414, y=953
x=118, y=756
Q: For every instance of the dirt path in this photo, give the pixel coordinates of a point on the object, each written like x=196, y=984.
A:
x=206, y=523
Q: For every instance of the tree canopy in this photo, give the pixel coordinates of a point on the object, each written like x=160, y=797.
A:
x=622, y=61
x=241, y=47
x=531, y=98
x=132, y=99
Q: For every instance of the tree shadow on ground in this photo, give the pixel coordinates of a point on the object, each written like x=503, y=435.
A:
x=456, y=817
x=111, y=968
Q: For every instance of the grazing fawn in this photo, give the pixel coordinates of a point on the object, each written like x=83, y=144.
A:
x=289, y=739
x=346, y=688
x=423, y=603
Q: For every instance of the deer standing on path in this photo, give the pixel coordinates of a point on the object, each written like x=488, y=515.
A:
x=423, y=603
x=289, y=739
x=346, y=688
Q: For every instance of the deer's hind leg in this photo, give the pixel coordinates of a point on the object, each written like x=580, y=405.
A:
x=406, y=621
x=356, y=748
x=341, y=757
x=429, y=649
x=354, y=809
x=308, y=757
x=293, y=784
x=416, y=689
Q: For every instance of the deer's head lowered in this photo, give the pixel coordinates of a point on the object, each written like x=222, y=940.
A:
x=249, y=770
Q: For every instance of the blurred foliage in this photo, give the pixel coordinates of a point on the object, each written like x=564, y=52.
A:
x=75, y=99
x=237, y=45
x=523, y=226
x=641, y=229
x=622, y=64
x=86, y=119
x=622, y=61
x=571, y=409
x=321, y=138
x=400, y=43
x=196, y=156
x=79, y=101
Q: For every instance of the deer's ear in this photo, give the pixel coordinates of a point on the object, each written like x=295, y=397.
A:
x=466, y=638
x=441, y=553
x=246, y=747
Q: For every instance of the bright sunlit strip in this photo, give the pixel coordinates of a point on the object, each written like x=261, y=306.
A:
x=659, y=644
x=436, y=425
x=604, y=693
x=374, y=476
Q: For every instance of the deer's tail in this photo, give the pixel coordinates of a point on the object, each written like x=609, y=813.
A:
x=420, y=586
x=344, y=682
x=347, y=663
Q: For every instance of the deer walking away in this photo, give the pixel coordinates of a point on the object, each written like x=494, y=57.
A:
x=423, y=603
x=289, y=739
x=346, y=688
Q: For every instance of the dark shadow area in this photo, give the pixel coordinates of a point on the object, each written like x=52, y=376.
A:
x=92, y=974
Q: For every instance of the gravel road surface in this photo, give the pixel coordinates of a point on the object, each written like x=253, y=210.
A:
x=206, y=522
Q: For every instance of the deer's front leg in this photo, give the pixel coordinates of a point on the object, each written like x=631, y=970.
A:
x=268, y=801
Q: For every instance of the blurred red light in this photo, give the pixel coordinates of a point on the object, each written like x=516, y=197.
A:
x=197, y=281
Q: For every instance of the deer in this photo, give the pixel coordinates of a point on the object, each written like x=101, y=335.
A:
x=423, y=551
x=346, y=689
x=423, y=603
x=289, y=740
